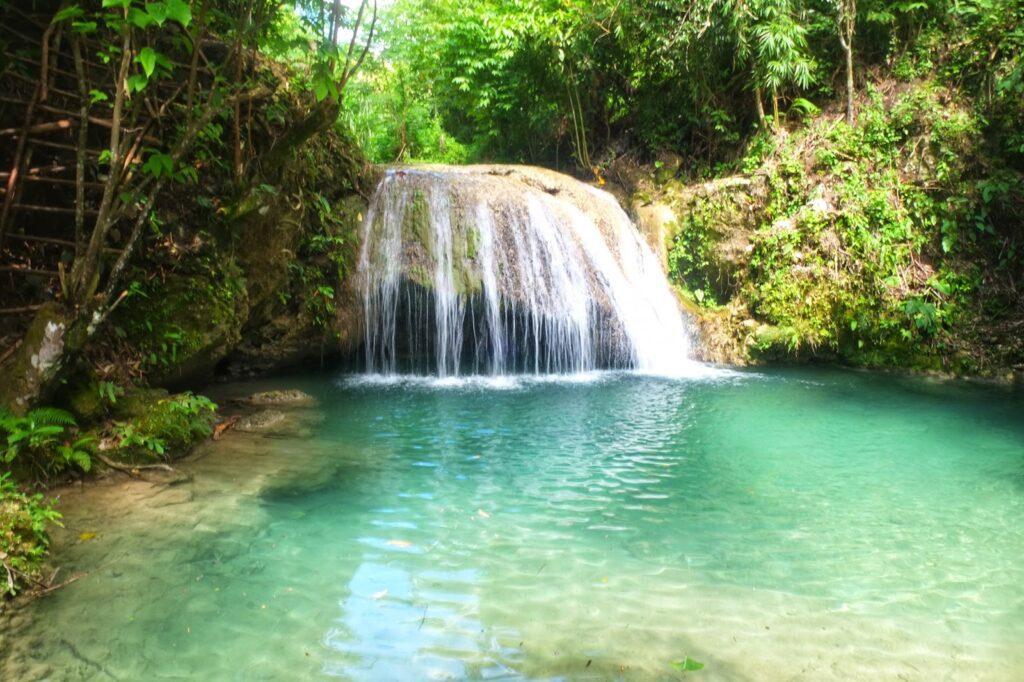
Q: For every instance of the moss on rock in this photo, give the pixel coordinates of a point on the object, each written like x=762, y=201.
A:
x=846, y=244
x=151, y=422
x=183, y=326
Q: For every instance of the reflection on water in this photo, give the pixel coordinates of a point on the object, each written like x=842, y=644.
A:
x=803, y=525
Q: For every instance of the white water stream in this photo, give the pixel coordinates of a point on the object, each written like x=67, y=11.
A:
x=500, y=271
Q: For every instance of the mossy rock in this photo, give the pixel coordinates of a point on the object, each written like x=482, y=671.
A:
x=187, y=324
x=178, y=422
x=178, y=429
x=667, y=167
x=28, y=375
x=416, y=225
x=264, y=420
x=137, y=401
x=771, y=342
x=291, y=396
x=85, y=402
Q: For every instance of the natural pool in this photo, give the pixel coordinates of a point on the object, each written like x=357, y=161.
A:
x=801, y=525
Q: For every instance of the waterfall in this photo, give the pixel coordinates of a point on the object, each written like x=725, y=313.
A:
x=506, y=270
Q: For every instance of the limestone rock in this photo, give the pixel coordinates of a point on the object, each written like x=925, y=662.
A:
x=288, y=397
x=264, y=420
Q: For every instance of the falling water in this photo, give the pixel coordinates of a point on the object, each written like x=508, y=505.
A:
x=500, y=270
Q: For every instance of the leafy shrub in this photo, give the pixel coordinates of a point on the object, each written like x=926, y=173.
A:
x=23, y=537
x=46, y=440
x=173, y=423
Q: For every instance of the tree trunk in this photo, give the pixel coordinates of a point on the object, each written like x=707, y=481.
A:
x=31, y=373
x=759, y=104
x=321, y=117
x=847, y=25
x=848, y=48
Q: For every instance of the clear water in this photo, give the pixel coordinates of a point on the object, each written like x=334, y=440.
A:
x=793, y=525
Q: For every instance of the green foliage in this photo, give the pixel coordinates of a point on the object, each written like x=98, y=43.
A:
x=168, y=322
x=44, y=440
x=543, y=80
x=158, y=163
x=24, y=541
x=174, y=423
x=691, y=258
x=109, y=391
x=546, y=80
x=868, y=245
x=687, y=665
x=847, y=261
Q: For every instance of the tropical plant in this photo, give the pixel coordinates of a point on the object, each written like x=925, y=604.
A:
x=46, y=440
x=23, y=538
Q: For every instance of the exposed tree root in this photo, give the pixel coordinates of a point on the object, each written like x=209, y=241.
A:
x=132, y=469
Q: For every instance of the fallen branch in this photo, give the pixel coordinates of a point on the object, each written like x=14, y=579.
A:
x=9, y=352
x=45, y=588
x=224, y=426
x=54, y=588
x=38, y=128
x=131, y=469
x=18, y=311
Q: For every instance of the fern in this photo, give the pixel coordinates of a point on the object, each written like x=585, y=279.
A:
x=42, y=439
x=51, y=416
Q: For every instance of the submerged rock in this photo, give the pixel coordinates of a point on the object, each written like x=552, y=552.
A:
x=261, y=421
x=291, y=397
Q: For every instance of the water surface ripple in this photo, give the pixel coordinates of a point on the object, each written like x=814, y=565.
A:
x=786, y=525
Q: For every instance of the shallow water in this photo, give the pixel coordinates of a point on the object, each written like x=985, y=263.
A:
x=788, y=525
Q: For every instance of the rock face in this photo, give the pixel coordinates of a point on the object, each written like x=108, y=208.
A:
x=705, y=236
x=253, y=307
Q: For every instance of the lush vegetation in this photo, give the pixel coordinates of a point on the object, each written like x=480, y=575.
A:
x=23, y=538
x=188, y=123
x=889, y=232
x=552, y=80
x=880, y=243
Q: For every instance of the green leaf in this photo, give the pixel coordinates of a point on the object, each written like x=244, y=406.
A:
x=687, y=665
x=137, y=83
x=82, y=459
x=84, y=26
x=97, y=96
x=147, y=58
x=139, y=18
x=158, y=11
x=72, y=12
x=179, y=11
x=164, y=62
x=320, y=89
x=116, y=3
x=158, y=164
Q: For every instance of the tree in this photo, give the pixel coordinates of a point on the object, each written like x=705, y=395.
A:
x=846, y=22
x=159, y=109
x=779, y=50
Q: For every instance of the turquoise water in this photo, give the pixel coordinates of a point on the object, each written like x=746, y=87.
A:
x=786, y=525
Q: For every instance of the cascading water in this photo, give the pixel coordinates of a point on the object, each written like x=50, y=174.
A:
x=501, y=270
